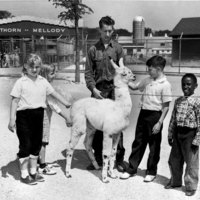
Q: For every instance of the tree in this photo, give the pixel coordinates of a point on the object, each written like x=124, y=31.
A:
x=5, y=14
x=74, y=11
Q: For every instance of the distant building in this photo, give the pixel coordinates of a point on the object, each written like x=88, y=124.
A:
x=186, y=43
x=33, y=34
x=138, y=30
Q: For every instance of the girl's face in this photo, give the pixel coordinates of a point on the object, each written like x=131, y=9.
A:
x=52, y=73
x=188, y=86
x=33, y=69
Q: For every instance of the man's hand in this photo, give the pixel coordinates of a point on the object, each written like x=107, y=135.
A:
x=97, y=93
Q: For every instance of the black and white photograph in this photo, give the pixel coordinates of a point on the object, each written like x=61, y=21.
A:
x=99, y=99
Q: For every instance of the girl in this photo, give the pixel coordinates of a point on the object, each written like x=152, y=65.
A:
x=49, y=72
x=27, y=111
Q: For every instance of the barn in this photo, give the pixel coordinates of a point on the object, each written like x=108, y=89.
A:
x=186, y=43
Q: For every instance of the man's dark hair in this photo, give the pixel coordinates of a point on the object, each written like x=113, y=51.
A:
x=107, y=21
x=156, y=61
x=190, y=75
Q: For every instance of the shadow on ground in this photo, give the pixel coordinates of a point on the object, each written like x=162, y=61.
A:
x=12, y=169
x=81, y=161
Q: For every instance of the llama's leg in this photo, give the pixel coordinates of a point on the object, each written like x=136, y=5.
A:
x=70, y=150
x=107, y=146
x=88, y=145
x=115, y=139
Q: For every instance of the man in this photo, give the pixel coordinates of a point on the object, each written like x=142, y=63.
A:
x=99, y=75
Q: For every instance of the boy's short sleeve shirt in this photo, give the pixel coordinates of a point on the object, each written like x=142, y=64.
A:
x=155, y=93
x=31, y=94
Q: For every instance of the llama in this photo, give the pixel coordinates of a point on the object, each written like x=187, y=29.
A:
x=109, y=116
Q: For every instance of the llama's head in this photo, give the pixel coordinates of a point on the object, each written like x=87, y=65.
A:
x=122, y=73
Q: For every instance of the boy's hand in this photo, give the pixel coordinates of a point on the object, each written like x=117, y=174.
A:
x=156, y=128
x=170, y=141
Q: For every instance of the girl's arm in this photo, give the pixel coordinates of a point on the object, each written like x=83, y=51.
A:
x=61, y=99
x=13, y=110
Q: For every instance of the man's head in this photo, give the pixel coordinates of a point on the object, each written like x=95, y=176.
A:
x=106, y=25
x=156, y=65
x=189, y=84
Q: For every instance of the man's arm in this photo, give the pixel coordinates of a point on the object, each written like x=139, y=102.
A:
x=89, y=75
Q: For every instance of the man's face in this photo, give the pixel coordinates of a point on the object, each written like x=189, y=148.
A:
x=106, y=33
x=188, y=86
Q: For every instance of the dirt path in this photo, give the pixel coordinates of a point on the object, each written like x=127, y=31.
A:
x=84, y=185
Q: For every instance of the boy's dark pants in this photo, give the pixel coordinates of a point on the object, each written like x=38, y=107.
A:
x=143, y=136
x=107, y=89
x=183, y=151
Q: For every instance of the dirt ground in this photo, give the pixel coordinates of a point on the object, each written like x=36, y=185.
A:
x=84, y=185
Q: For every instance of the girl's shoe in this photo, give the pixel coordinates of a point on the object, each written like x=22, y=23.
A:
x=37, y=177
x=46, y=170
x=28, y=180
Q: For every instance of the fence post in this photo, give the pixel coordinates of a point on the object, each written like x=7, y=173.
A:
x=179, y=69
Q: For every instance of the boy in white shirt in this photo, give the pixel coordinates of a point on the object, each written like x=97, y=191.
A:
x=155, y=102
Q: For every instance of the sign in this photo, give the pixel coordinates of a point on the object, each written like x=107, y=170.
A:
x=26, y=28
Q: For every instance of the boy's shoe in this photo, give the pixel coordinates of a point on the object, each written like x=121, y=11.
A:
x=149, y=178
x=37, y=177
x=126, y=175
x=28, y=180
x=190, y=193
x=169, y=186
x=46, y=170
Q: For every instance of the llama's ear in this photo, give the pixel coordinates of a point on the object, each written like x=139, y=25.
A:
x=121, y=62
x=113, y=64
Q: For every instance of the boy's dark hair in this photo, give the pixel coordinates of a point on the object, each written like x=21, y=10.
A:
x=156, y=61
x=190, y=75
x=106, y=20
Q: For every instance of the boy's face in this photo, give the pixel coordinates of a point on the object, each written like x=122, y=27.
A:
x=33, y=69
x=188, y=86
x=106, y=33
x=154, y=72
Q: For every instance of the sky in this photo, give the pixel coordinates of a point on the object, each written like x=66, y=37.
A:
x=158, y=14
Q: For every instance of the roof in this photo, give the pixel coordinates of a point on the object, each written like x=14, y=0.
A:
x=187, y=26
x=38, y=19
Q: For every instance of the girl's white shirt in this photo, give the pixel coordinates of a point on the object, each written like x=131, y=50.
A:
x=31, y=94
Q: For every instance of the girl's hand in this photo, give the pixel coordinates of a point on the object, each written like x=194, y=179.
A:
x=11, y=125
x=156, y=128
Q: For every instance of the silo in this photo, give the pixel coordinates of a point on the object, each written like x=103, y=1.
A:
x=138, y=30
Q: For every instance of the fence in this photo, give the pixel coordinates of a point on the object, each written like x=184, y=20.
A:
x=178, y=52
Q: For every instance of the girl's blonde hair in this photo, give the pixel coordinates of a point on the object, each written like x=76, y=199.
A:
x=45, y=70
x=32, y=59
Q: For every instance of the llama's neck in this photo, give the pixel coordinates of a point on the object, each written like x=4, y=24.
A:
x=123, y=98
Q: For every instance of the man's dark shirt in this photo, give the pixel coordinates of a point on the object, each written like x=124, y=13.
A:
x=99, y=71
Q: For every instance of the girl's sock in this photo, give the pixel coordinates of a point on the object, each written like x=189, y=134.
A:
x=23, y=162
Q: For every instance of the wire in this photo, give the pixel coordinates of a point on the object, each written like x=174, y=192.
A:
x=195, y=96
